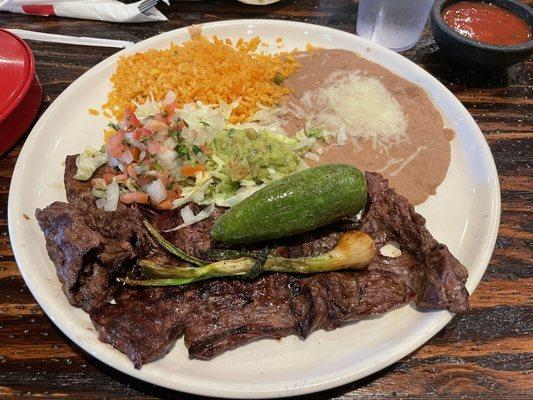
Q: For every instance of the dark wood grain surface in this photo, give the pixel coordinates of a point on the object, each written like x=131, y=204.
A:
x=486, y=353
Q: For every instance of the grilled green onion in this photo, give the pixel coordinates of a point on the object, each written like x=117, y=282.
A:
x=354, y=250
x=171, y=248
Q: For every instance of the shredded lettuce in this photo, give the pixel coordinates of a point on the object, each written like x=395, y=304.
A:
x=88, y=162
x=194, y=193
x=233, y=160
x=204, y=121
x=110, y=201
x=240, y=195
x=99, y=193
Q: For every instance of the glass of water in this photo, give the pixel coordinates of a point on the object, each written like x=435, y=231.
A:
x=396, y=24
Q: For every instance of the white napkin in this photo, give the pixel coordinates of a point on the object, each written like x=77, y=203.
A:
x=99, y=10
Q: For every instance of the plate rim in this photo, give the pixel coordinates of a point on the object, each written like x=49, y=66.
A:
x=415, y=340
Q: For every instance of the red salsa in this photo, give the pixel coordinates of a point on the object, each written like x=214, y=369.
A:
x=487, y=23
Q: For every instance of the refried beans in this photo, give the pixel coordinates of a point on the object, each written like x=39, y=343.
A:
x=417, y=165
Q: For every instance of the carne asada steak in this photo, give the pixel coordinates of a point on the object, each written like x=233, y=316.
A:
x=90, y=248
x=390, y=216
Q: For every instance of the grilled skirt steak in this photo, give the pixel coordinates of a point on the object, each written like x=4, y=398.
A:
x=90, y=248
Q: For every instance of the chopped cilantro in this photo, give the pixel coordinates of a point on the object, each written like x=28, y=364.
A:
x=156, y=165
x=314, y=132
x=204, y=123
x=113, y=125
x=182, y=150
x=174, y=133
x=278, y=78
x=196, y=149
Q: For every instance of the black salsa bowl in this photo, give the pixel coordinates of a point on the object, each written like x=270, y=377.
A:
x=475, y=54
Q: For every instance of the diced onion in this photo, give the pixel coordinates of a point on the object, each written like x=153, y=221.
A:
x=189, y=218
x=127, y=157
x=141, y=169
x=186, y=214
x=157, y=191
x=100, y=203
x=167, y=159
x=112, y=197
x=113, y=162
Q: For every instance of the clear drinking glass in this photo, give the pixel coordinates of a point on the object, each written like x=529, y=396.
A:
x=396, y=24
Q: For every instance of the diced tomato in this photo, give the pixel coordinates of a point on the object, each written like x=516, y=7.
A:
x=108, y=177
x=136, y=134
x=159, y=117
x=144, y=179
x=121, y=177
x=164, y=205
x=177, y=189
x=131, y=118
x=171, y=195
x=135, y=152
x=191, y=170
x=164, y=177
x=115, y=147
x=157, y=125
x=142, y=133
x=154, y=147
x=204, y=148
x=170, y=112
x=131, y=171
x=134, y=197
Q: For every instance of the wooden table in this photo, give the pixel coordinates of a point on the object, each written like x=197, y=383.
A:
x=487, y=353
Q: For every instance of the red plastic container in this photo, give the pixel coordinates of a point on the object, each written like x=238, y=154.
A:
x=20, y=90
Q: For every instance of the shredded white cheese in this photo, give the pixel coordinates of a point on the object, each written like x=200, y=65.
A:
x=359, y=106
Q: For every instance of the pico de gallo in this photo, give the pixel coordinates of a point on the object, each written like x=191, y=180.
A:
x=166, y=157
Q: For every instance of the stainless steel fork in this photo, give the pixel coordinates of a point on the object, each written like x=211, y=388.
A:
x=145, y=5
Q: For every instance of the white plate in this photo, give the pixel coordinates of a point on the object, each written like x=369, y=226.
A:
x=464, y=214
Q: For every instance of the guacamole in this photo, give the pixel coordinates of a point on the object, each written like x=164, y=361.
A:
x=251, y=154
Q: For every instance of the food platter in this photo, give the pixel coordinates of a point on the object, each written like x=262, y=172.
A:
x=464, y=214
